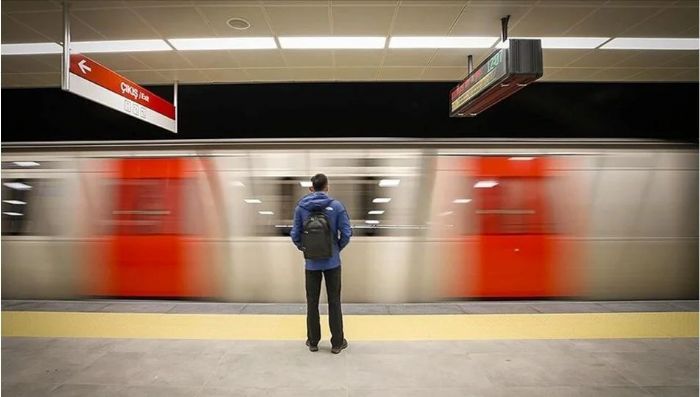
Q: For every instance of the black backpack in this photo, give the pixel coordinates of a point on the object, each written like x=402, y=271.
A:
x=316, y=241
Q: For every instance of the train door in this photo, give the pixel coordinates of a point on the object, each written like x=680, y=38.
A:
x=146, y=248
x=515, y=234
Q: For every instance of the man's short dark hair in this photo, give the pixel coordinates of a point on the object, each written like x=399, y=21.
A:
x=319, y=182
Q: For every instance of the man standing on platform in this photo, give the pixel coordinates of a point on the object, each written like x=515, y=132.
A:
x=321, y=230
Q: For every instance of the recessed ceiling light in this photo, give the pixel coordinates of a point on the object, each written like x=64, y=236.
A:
x=651, y=43
x=462, y=201
x=224, y=43
x=485, y=184
x=13, y=213
x=31, y=48
x=563, y=42
x=266, y=213
x=17, y=185
x=332, y=42
x=238, y=23
x=252, y=201
x=16, y=202
x=26, y=163
x=389, y=182
x=381, y=200
x=376, y=212
x=442, y=42
x=120, y=46
x=306, y=183
x=372, y=221
x=521, y=158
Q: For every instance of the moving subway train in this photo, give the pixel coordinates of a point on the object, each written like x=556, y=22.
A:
x=432, y=219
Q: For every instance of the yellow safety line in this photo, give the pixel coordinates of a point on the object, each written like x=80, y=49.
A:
x=357, y=327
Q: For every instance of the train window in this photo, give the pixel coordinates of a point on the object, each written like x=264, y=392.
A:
x=29, y=207
x=278, y=197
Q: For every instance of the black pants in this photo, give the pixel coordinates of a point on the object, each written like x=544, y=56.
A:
x=335, y=315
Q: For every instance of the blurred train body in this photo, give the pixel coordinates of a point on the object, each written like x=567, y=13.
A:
x=432, y=220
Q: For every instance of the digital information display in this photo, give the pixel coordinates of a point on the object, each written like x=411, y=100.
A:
x=492, y=70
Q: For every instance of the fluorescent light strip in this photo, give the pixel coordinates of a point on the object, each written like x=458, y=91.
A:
x=224, y=43
x=266, y=213
x=563, y=42
x=644, y=43
x=17, y=185
x=120, y=46
x=253, y=201
x=13, y=213
x=332, y=42
x=16, y=202
x=372, y=222
x=442, y=42
x=389, y=182
x=31, y=48
x=381, y=200
x=462, y=201
x=306, y=183
x=375, y=212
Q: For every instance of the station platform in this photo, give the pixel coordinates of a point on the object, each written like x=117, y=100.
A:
x=176, y=348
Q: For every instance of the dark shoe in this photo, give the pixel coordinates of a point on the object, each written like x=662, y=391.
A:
x=336, y=350
x=313, y=348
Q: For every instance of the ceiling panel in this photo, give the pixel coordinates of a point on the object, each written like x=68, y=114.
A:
x=609, y=22
x=687, y=75
x=119, y=61
x=31, y=64
x=406, y=57
x=579, y=74
x=672, y=22
x=176, y=22
x=425, y=20
x=688, y=60
x=259, y=58
x=355, y=74
x=19, y=80
x=163, y=60
x=358, y=57
x=650, y=58
x=614, y=74
x=146, y=77
x=444, y=74
x=29, y=5
x=486, y=20
x=308, y=57
x=558, y=58
x=548, y=73
x=111, y=23
x=218, y=16
x=15, y=32
x=306, y=74
x=362, y=21
x=211, y=59
x=400, y=74
x=187, y=76
x=300, y=21
x=458, y=57
x=601, y=58
x=549, y=21
x=50, y=25
x=269, y=74
x=227, y=75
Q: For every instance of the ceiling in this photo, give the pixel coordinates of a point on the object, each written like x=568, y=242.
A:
x=41, y=21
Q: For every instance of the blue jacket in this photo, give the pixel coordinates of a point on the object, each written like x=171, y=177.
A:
x=339, y=222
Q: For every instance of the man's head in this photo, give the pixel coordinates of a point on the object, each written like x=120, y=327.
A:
x=319, y=183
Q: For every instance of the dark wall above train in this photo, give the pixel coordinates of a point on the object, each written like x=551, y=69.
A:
x=553, y=110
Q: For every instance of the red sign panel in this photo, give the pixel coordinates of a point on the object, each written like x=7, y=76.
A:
x=88, y=69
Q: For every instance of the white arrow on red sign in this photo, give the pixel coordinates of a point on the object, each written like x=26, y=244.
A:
x=83, y=67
